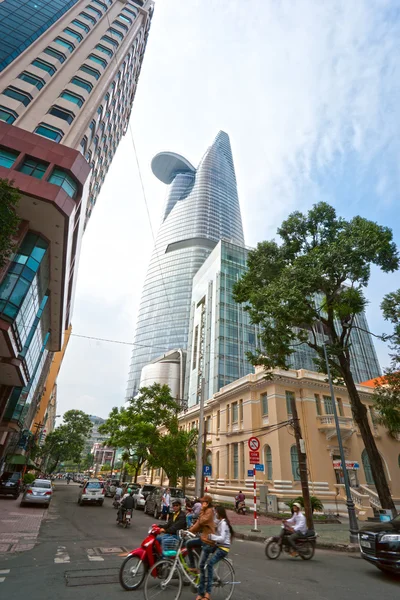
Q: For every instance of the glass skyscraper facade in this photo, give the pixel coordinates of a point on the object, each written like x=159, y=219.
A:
x=201, y=208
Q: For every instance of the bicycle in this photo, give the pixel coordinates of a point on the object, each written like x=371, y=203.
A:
x=167, y=575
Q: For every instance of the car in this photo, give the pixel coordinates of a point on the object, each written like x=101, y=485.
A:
x=153, y=505
x=10, y=484
x=93, y=491
x=39, y=491
x=380, y=544
x=140, y=494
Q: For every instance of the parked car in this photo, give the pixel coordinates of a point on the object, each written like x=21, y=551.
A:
x=380, y=544
x=93, y=491
x=10, y=484
x=153, y=505
x=140, y=494
x=39, y=491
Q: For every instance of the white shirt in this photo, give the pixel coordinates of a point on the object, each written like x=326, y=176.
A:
x=223, y=535
x=118, y=491
x=166, y=499
x=298, y=522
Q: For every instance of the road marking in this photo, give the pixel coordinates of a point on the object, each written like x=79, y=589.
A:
x=2, y=579
x=95, y=558
x=62, y=555
x=5, y=572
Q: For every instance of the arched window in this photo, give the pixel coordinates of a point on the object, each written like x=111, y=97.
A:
x=268, y=462
x=367, y=468
x=294, y=457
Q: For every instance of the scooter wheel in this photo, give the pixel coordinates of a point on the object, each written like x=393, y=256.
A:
x=306, y=550
x=132, y=573
x=273, y=549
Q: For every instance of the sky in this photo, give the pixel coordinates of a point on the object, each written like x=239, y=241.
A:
x=309, y=95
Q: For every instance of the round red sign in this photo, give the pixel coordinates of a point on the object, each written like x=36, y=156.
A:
x=254, y=443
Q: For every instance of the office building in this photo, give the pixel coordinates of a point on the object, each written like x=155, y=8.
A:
x=220, y=332
x=201, y=208
x=69, y=72
x=254, y=404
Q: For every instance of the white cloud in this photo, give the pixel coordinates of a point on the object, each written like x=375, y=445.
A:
x=308, y=92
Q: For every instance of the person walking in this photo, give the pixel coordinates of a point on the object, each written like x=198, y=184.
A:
x=205, y=525
x=166, y=500
x=222, y=538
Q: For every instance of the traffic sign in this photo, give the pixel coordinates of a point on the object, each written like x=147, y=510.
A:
x=254, y=458
x=254, y=444
x=259, y=467
x=207, y=470
x=250, y=473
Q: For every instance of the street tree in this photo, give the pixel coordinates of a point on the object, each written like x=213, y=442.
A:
x=316, y=278
x=9, y=221
x=67, y=441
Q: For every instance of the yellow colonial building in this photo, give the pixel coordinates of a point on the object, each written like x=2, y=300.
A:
x=255, y=406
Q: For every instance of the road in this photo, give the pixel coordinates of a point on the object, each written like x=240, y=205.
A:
x=77, y=551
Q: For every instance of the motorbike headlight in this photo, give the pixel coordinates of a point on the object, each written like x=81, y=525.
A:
x=150, y=530
x=390, y=537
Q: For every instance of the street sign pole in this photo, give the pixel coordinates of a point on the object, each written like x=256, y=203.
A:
x=255, y=499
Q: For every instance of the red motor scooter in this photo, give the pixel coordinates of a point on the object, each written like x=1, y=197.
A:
x=134, y=568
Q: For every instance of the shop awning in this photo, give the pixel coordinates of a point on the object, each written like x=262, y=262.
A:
x=20, y=459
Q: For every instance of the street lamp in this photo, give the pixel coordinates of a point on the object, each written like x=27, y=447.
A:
x=353, y=523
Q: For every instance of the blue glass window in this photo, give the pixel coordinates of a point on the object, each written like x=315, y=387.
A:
x=103, y=49
x=126, y=19
x=41, y=64
x=60, y=113
x=130, y=11
x=34, y=168
x=122, y=25
x=7, y=115
x=7, y=158
x=109, y=40
x=49, y=132
x=100, y=4
x=88, y=18
x=74, y=34
x=17, y=95
x=61, y=178
x=81, y=25
x=294, y=458
x=55, y=54
x=82, y=83
x=115, y=32
x=98, y=60
x=32, y=79
x=78, y=100
x=93, y=72
x=65, y=44
x=95, y=10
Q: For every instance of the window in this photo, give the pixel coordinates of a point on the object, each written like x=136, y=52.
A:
x=34, y=168
x=83, y=144
x=126, y=19
x=61, y=178
x=130, y=11
x=122, y=25
x=218, y=420
x=194, y=355
x=328, y=405
x=88, y=18
x=268, y=462
x=234, y=412
x=74, y=34
x=98, y=60
x=17, y=95
x=289, y=396
x=32, y=79
x=228, y=408
x=340, y=407
x=241, y=411
x=82, y=83
x=78, y=100
x=93, y=72
x=100, y=4
x=55, y=54
x=374, y=416
x=92, y=127
x=81, y=25
x=367, y=468
x=235, y=448
x=7, y=158
x=115, y=32
x=264, y=405
x=96, y=11
x=61, y=114
x=294, y=457
x=109, y=40
x=7, y=115
x=103, y=49
x=65, y=44
x=49, y=132
x=318, y=404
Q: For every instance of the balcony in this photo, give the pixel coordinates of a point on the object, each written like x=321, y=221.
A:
x=326, y=424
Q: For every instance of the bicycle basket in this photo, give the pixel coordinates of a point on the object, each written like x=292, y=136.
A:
x=169, y=545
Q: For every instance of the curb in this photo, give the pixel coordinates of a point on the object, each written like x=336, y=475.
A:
x=352, y=548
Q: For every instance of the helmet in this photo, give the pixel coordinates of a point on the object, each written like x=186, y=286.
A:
x=176, y=502
x=297, y=504
x=129, y=490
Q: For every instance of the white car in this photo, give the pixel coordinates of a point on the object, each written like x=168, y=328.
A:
x=39, y=491
x=93, y=491
x=140, y=495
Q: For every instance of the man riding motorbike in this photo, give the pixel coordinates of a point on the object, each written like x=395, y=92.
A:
x=126, y=504
x=297, y=525
x=177, y=522
x=239, y=498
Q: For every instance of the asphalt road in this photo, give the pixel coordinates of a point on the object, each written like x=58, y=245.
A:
x=77, y=556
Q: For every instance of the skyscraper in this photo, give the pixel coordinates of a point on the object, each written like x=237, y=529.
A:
x=201, y=208
x=69, y=71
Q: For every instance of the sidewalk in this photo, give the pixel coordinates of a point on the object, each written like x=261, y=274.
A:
x=19, y=527
x=334, y=536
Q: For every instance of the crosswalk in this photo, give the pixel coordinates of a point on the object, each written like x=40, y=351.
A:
x=75, y=553
x=3, y=573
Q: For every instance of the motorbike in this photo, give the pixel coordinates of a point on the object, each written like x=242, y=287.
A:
x=116, y=500
x=305, y=546
x=241, y=508
x=126, y=518
x=135, y=566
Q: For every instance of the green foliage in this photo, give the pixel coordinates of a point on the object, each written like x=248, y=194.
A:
x=106, y=468
x=29, y=477
x=66, y=442
x=316, y=504
x=9, y=221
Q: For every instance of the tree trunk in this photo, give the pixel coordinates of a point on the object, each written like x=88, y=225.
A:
x=360, y=415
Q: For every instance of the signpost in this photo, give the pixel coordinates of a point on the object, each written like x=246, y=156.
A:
x=254, y=459
x=207, y=472
x=250, y=473
x=259, y=467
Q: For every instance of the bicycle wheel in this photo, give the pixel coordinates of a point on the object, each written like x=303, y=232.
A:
x=161, y=581
x=132, y=573
x=223, y=581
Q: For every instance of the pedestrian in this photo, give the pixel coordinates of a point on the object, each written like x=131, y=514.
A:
x=205, y=525
x=166, y=500
x=222, y=538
